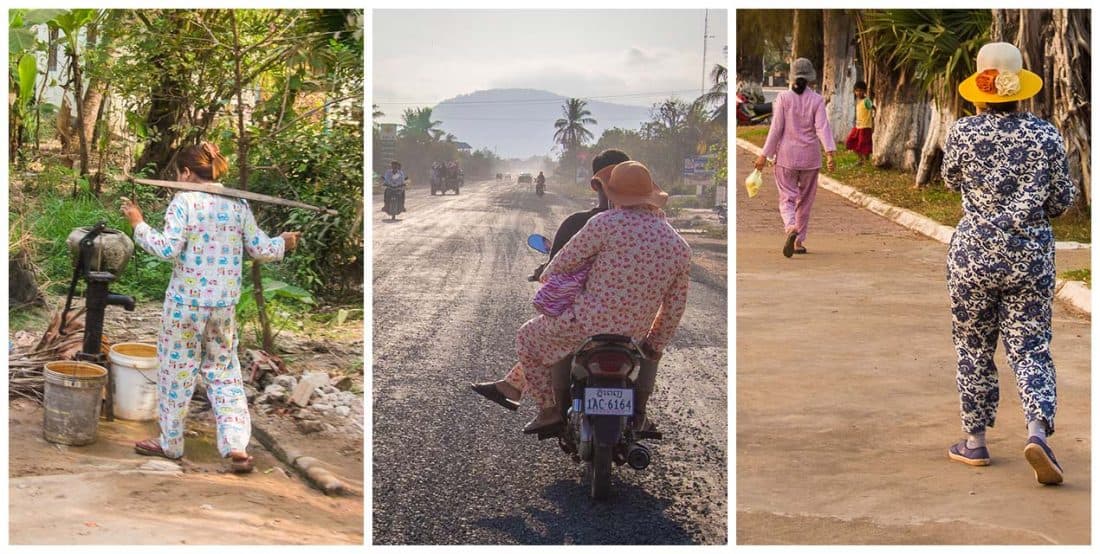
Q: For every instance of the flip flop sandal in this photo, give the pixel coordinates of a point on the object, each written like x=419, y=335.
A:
x=151, y=447
x=241, y=466
x=490, y=391
x=969, y=456
x=788, y=247
x=1047, y=469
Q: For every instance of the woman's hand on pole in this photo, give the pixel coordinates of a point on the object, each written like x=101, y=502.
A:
x=132, y=212
x=290, y=238
x=760, y=163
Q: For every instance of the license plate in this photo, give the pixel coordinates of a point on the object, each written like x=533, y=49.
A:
x=615, y=402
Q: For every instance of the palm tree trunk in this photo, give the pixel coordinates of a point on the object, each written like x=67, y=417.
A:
x=839, y=71
x=807, y=37
x=901, y=113
x=1055, y=44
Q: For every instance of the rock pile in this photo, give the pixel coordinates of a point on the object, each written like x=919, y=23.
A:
x=322, y=403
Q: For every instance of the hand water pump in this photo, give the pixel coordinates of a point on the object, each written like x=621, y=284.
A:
x=100, y=254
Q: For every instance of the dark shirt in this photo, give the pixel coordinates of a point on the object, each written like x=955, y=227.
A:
x=570, y=227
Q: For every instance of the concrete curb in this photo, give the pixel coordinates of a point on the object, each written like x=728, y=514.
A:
x=310, y=468
x=1074, y=293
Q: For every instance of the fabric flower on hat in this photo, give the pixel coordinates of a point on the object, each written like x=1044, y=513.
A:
x=986, y=81
x=1007, y=84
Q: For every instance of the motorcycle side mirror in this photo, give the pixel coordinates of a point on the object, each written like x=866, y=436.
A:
x=539, y=243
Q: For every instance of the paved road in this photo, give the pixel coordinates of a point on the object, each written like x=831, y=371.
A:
x=449, y=467
x=846, y=399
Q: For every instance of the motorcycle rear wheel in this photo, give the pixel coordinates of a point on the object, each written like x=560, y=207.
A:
x=599, y=472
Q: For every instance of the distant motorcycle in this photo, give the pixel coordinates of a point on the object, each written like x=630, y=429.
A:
x=749, y=113
x=601, y=389
x=393, y=200
x=540, y=188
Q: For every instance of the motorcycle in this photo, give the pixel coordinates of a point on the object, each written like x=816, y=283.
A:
x=721, y=211
x=393, y=200
x=602, y=389
x=540, y=188
x=749, y=113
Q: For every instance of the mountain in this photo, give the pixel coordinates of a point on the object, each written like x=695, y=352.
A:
x=518, y=123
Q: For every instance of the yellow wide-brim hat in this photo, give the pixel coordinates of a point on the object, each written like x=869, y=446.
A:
x=1000, y=77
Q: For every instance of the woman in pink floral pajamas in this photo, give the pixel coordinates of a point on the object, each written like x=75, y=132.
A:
x=637, y=287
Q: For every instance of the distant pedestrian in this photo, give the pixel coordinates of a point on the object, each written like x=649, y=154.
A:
x=859, y=140
x=1011, y=168
x=799, y=124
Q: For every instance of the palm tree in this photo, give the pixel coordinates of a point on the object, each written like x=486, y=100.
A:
x=717, y=95
x=914, y=56
x=571, y=133
x=418, y=125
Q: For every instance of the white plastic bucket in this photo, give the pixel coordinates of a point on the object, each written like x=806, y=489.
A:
x=134, y=380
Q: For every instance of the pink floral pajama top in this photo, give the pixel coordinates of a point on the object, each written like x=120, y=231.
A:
x=205, y=237
x=637, y=287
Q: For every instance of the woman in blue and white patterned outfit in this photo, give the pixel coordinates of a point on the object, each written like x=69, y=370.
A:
x=1011, y=169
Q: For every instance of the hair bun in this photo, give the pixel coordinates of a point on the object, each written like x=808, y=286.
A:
x=218, y=164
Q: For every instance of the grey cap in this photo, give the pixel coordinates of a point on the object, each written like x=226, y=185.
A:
x=804, y=68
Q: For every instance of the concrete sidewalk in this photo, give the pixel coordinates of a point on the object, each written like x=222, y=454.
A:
x=846, y=400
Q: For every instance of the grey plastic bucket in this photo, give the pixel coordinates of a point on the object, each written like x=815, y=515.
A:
x=74, y=392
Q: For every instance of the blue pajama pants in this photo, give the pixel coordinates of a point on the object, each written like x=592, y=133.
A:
x=201, y=343
x=1006, y=294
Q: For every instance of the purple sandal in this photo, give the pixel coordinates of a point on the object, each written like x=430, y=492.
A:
x=1047, y=469
x=969, y=456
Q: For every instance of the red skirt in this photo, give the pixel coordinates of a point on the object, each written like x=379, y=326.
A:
x=859, y=141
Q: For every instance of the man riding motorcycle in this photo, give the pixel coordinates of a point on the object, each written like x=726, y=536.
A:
x=540, y=181
x=394, y=183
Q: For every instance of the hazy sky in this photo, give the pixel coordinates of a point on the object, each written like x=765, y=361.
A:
x=422, y=57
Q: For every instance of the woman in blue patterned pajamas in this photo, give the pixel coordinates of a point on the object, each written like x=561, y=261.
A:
x=205, y=237
x=1011, y=169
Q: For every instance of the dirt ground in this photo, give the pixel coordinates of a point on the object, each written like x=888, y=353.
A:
x=450, y=290
x=101, y=494
x=846, y=399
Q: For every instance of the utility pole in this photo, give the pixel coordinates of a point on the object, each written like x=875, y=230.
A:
x=706, y=36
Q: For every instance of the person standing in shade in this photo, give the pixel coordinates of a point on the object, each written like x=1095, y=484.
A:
x=1012, y=171
x=859, y=139
x=799, y=124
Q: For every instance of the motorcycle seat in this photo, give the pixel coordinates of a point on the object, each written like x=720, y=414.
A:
x=611, y=338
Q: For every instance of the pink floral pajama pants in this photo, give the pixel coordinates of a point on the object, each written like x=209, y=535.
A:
x=540, y=344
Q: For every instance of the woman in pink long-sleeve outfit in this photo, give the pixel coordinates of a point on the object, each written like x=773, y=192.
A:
x=799, y=124
x=637, y=286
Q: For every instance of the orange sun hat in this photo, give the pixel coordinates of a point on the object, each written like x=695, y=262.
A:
x=632, y=185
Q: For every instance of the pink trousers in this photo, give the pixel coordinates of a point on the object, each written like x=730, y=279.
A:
x=797, y=190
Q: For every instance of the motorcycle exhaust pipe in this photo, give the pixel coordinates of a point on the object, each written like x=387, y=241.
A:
x=638, y=456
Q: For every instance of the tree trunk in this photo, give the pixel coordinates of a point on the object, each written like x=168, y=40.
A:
x=839, y=72
x=93, y=101
x=167, y=106
x=22, y=287
x=807, y=37
x=931, y=154
x=78, y=83
x=1055, y=45
x=901, y=113
x=242, y=172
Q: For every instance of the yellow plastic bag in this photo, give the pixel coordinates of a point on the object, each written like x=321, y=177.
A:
x=753, y=182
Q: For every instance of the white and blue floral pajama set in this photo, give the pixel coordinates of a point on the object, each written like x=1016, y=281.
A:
x=1011, y=169
x=204, y=237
